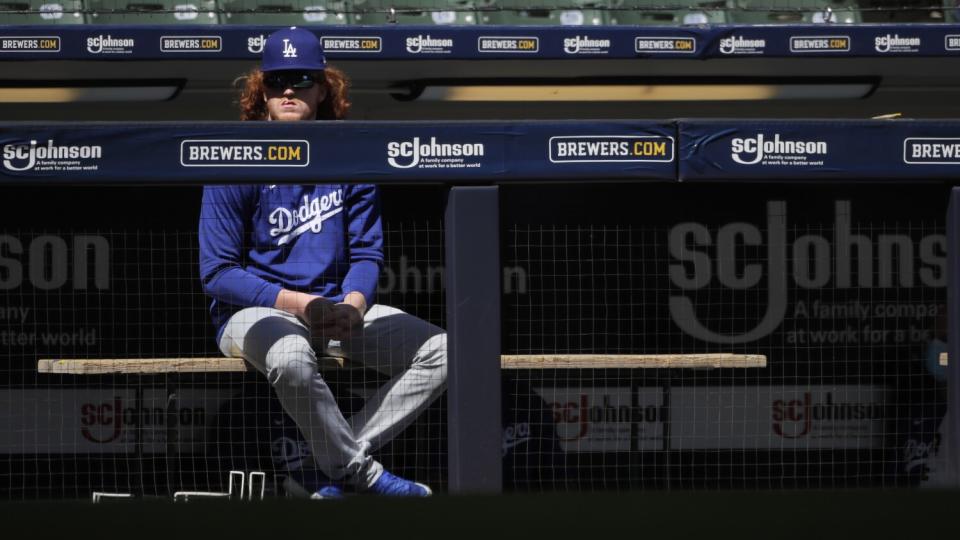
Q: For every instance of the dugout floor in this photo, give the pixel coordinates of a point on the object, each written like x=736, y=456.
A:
x=903, y=515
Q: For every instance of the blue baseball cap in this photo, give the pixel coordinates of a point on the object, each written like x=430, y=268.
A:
x=293, y=48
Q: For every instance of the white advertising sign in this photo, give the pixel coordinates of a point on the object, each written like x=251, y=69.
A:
x=775, y=417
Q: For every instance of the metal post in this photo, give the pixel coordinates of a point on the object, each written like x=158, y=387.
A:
x=953, y=337
x=473, y=339
x=173, y=452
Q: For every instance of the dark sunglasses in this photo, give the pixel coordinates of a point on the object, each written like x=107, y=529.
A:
x=282, y=80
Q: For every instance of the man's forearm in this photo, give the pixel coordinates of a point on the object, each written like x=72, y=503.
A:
x=294, y=302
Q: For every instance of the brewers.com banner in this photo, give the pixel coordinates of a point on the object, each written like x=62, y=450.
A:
x=443, y=42
x=481, y=152
x=337, y=152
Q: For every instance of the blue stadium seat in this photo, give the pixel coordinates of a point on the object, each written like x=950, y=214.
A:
x=284, y=12
x=656, y=12
x=152, y=12
x=548, y=12
x=426, y=12
x=41, y=12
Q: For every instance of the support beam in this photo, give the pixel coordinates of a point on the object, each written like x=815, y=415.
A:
x=953, y=336
x=474, y=424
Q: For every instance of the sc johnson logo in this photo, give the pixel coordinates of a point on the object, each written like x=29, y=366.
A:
x=805, y=44
x=665, y=45
x=742, y=45
x=610, y=148
x=808, y=417
x=759, y=150
x=577, y=416
x=434, y=155
x=585, y=45
x=29, y=44
x=823, y=265
x=50, y=157
x=352, y=44
x=931, y=151
x=428, y=45
x=244, y=153
x=255, y=43
x=116, y=420
x=508, y=44
x=896, y=44
x=191, y=44
x=607, y=419
x=107, y=44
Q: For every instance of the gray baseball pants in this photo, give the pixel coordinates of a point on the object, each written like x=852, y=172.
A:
x=412, y=352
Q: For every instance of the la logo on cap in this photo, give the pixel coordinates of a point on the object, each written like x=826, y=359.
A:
x=292, y=48
x=289, y=51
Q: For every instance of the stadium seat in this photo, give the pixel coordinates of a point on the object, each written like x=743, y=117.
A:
x=152, y=11
x=951, y=11
x=643, y=12
x=794, y=12
x=549, y=12
x=41, y=12
x=426, y=12
x=284, y=12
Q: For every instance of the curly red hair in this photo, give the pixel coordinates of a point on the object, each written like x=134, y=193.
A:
x=334, y=107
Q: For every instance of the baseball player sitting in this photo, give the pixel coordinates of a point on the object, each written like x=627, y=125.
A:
x=292, y=269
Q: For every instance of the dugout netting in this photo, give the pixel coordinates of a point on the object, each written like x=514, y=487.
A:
x=851, y=397
x=842, y=289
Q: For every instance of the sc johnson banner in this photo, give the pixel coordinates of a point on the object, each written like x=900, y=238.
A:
x=777, y=417
x=813, y=275
x=102, y=421
x=606, y=419
x=775, y=150
x=61, y=421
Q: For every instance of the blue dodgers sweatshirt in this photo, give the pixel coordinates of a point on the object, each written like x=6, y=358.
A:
x=256, y=239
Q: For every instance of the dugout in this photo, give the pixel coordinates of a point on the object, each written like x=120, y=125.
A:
x=598, y=264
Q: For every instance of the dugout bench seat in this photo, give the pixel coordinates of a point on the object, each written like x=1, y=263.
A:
x=157, y=366
x=169, y=368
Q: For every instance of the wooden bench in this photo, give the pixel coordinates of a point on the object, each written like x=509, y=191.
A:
x=171, y=368
x=158, y=366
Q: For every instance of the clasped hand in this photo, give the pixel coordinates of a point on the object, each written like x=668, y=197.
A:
x=328, y=320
